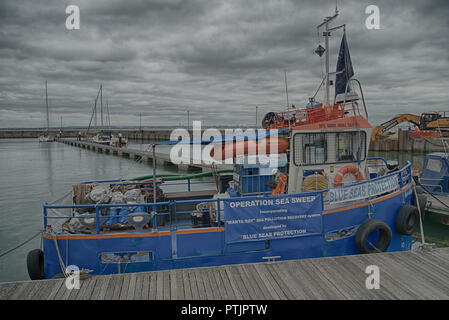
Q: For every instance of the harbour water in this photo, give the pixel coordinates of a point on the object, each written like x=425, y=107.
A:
x=32, y=173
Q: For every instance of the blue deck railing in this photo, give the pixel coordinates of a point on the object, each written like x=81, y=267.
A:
x=172, y=210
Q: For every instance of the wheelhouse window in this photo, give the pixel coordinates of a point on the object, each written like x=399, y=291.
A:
x=349, y=146
x=314, y=148
x=329, y=147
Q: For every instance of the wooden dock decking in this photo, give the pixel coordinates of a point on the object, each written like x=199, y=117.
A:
x=419, y=275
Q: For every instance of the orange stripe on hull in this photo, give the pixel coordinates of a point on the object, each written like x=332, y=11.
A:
x=106, y=236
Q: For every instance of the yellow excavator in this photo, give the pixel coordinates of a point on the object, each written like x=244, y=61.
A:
x=427, y=121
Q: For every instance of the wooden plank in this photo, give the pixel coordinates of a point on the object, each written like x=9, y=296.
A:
x=428, y=273
x=55, y=289
x=175, y=290
x=120, y=279
x=186, y=285
x=221, y=289
x=153, y=286
x=34, y=289
x=7, y=289
x=124, y=288
x=288, y=280
x=408, y=278
x=166, y=283
x=337, y=274
x=305, y=281
x=200, y=283
x=131, y=287
x=258, y=282
x=101, y=287
x=235, y=289
x=248, y=282
x=139, y=281
x=145, y=287
x=391, y=278
x=237, y=280
x=159, y=285
x=193, y=285
x=212, y=290
x=223, y=278
x=64, y=293
x=283, y=285
x=357, y=278
x=20, y=290
x=269, y=282
x=111, y=287
x=46, y=289
x=87, y=288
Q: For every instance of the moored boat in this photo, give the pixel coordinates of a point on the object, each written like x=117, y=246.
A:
x=45, y=137
x=332, y=200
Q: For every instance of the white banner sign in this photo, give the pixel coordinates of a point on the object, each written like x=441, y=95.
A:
x=363, y=190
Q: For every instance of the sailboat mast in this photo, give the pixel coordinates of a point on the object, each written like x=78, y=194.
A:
x=101, y=102
x=46, y=101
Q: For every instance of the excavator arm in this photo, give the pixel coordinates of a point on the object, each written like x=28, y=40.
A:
x=405, y=117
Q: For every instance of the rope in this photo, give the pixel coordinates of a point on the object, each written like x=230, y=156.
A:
x=18, y=246
x=424, y=188
x=420, y=214
x=61, y=262
x=314, y=182
x=374, y=247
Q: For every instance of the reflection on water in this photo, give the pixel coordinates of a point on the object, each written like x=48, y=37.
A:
x=33, y=173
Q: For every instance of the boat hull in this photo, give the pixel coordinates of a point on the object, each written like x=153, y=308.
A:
x=199, y=247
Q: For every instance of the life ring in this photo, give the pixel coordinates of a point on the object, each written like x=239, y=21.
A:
x=35, y=264
x=366, y=229
x=407, y=219
x=345, y=170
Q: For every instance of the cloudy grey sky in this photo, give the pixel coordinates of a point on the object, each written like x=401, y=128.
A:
x=218, y=59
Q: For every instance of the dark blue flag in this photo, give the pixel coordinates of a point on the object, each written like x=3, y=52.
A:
x=343, y=64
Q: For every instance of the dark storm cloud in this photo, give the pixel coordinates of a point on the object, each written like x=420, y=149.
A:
x=217, y=59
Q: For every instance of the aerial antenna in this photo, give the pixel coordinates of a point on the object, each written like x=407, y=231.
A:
x=286, y=88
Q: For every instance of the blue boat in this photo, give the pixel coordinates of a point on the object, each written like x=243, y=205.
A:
x=322, y=197
x=433, y=185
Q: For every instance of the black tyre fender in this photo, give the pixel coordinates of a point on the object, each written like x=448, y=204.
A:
x=367, y=228
x=407, y=219
x=35, y=264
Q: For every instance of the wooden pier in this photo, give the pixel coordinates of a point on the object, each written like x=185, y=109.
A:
x=417, y=275
x=141, y=155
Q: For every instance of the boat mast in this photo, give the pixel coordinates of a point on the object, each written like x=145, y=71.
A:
x=101, y=102
x=326, y=35
x=46, y=101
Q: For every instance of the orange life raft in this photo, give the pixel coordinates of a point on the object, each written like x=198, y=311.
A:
x=233, y=149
